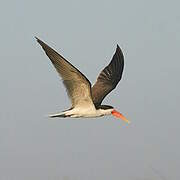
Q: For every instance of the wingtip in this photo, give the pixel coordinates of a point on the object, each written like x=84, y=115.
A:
x=36, y=37
x=118, y=47
x=40, y=41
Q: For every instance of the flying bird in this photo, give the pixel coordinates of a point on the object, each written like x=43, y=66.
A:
x=86, y=100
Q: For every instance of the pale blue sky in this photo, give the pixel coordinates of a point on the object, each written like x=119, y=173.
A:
x=86, y=33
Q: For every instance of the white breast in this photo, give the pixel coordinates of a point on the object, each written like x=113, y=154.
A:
x=87, y=112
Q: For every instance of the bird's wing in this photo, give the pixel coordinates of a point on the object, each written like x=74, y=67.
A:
x=77, y=85
x=108, y=78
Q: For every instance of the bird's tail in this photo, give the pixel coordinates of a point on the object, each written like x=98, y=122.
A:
x=61, y=114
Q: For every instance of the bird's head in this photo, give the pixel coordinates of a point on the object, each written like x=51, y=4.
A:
x=110, y=110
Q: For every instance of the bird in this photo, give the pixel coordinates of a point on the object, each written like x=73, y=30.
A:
x=86, y=99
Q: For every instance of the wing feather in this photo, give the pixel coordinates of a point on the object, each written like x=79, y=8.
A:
x=77, y=85
x=108, y=78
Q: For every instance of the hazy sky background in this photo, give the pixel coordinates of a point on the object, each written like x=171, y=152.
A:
x=32, y=146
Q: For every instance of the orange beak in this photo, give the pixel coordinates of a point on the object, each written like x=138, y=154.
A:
x=119, y=115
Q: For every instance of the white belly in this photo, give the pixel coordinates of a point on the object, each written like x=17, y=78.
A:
x=87, y=112
x=83, y=112
x=79, y=112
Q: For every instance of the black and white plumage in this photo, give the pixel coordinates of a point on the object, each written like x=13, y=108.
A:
x=86, y=101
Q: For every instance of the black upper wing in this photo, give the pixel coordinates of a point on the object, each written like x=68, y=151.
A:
x=108, y=78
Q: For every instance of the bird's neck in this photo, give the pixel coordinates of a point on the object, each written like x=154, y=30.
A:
x=103, y=112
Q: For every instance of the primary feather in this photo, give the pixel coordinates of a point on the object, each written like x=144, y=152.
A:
x=77, y=85
x=108, y=78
